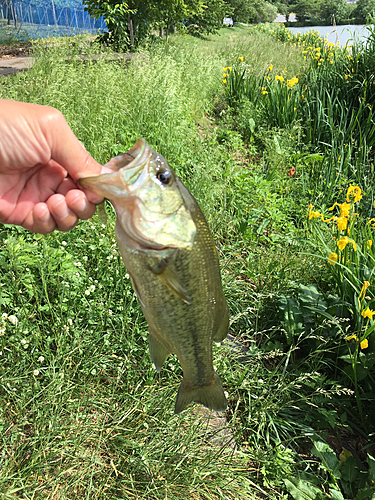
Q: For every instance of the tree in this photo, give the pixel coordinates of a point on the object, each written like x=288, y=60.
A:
x=210, y=19
x=363, y=10
x=255, y=11
x=169, y=13
x=333, y=10
x=305, y=9
x=127, y=22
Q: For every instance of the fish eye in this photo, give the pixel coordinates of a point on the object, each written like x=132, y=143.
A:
x=164, y=176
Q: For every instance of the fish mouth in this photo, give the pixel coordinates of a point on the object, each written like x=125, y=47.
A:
x=129, y=170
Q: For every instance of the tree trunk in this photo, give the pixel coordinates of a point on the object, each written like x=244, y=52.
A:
x=167, y=32
x=131, y=31
x=14, y=14
x=161, y=33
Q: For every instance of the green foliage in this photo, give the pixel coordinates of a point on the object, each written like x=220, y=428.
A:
x=83, y=412
x=209, y=20
x=363, y=9
x=333, y=10
x=305, y=9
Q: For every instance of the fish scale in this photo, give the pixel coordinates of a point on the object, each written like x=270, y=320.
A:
x=169, y=252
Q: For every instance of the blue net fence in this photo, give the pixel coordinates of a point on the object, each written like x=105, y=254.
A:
x=24, y=20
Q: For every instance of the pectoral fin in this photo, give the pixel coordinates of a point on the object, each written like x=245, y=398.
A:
x=171, y=281
x=158, y=352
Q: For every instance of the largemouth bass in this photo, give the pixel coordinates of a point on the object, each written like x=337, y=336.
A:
x=168, y=250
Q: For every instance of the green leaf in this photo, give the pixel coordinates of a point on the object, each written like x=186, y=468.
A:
x=349, y=470
x=360, y=370
x=336, y=494
x=328, y=457
x=367, y=493
x=302, y=490
x=371, y=463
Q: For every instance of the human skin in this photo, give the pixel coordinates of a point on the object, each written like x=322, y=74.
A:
x=41, y=161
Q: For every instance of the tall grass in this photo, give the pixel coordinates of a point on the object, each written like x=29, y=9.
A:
x=84, y=414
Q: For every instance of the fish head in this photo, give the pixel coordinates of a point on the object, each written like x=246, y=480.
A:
x=151, y=212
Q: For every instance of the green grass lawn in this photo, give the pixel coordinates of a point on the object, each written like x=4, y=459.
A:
x=83, y=413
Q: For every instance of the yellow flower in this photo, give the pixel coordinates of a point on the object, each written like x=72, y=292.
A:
x=332, y=258
x=292, y=82
x=270, y=68
x=277, y=77
x=343, y=241
x=352, y=337
x=264, y=92
x=354, y=191
x=224, y=69
x=224, y=80
x=364, y=344
x=342, y=223
x=362, y=293
x=313, y=214
x=240, y=59
x=367, y=313
x=369, y=244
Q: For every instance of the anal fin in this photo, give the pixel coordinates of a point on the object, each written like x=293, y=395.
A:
x=158, y=352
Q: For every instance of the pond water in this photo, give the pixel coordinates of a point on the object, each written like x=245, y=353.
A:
x=341, y=34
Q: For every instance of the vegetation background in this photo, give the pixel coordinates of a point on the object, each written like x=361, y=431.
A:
x=274, y=135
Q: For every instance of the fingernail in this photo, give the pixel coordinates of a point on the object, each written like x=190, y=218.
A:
x=44, y=216
x=61, y=210
x=80, y=205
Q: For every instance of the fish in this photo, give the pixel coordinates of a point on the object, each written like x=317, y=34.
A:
x=170, y=255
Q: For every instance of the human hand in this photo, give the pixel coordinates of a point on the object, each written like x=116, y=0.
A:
x=41, y=161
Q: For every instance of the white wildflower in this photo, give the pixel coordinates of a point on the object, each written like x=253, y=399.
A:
x=36, y=373
x=78, y=264
x=70, y=321
x=4, y=316
x=92, y=288
x=23, y=341
x=64, y=243
x=87, y=292
x=41, y=359
x=13, y=319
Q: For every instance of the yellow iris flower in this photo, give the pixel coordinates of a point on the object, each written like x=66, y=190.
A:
x=364, y=344
x=354, y=191
x=332, y=258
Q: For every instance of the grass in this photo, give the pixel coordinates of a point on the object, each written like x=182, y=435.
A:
x=83, y=413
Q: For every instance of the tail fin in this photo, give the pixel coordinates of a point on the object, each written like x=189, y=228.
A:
x=211, y=396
